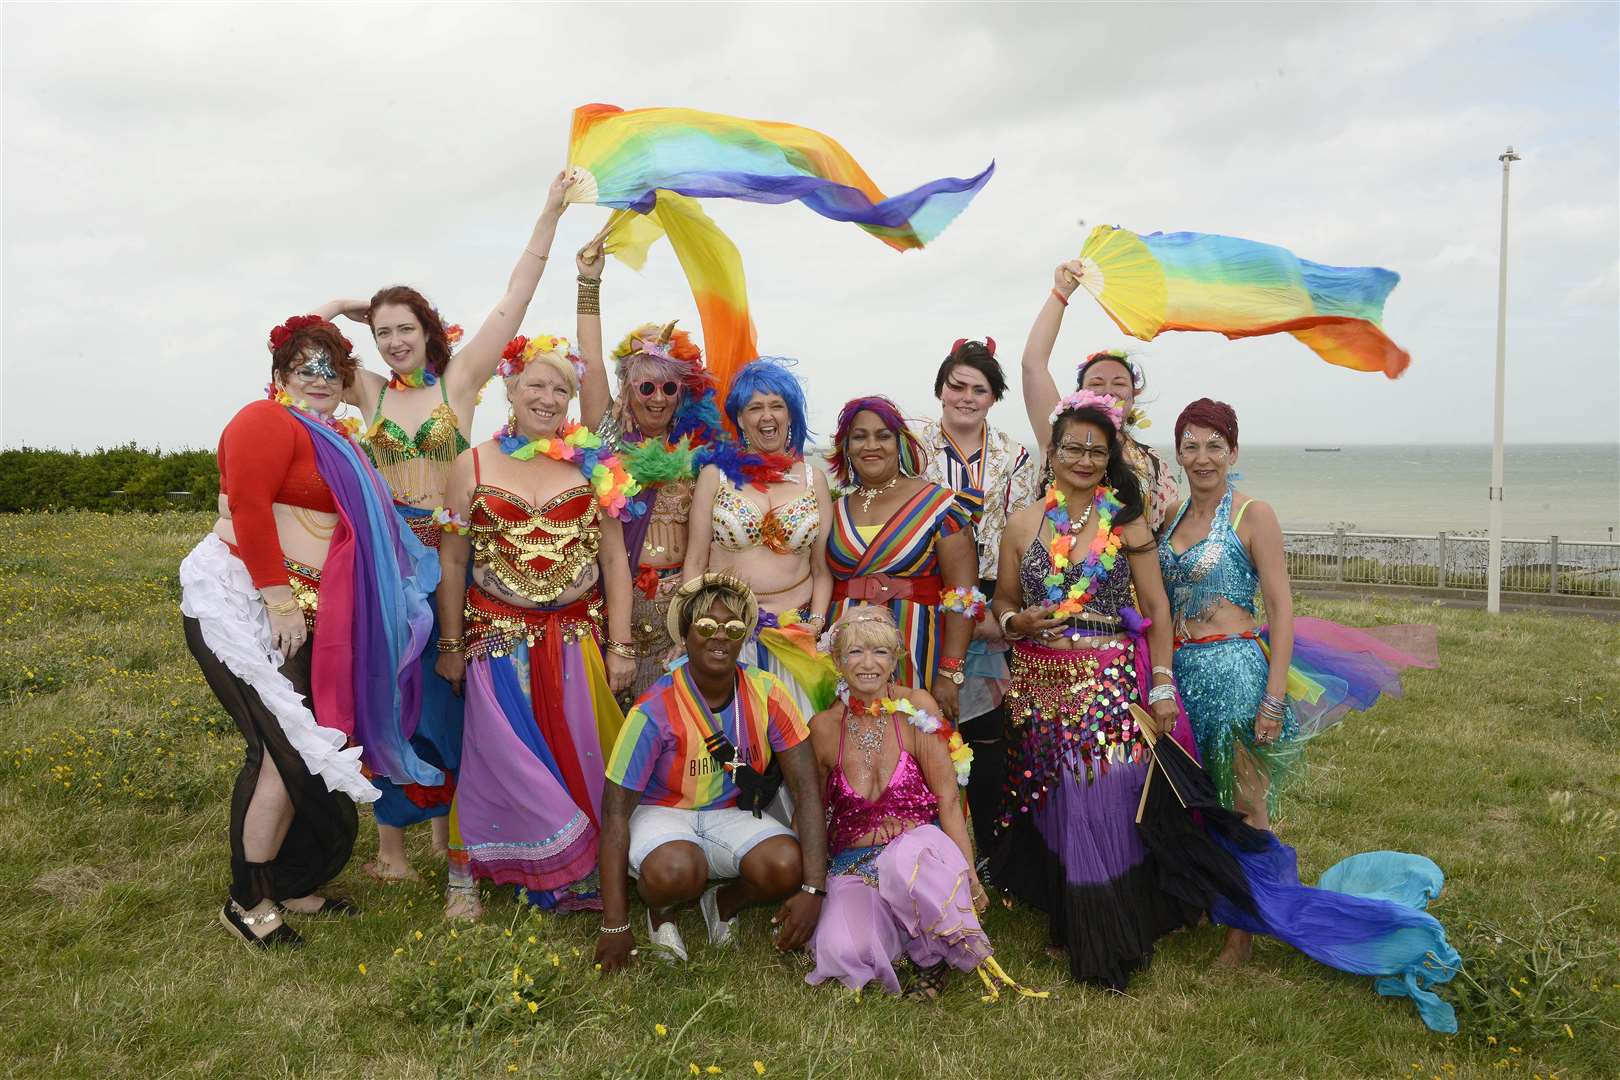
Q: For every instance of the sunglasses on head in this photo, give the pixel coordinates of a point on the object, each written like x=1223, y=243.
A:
x=706, y=628
x=648, y=388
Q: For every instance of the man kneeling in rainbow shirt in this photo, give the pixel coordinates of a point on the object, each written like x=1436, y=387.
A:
x=700, y=757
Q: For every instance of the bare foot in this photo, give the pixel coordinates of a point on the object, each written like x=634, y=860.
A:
x=382, y=870
x=441, y=838
x=463, y=904
x=1239, y=947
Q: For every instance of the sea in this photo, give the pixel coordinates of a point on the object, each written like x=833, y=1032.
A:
x=1569, y=490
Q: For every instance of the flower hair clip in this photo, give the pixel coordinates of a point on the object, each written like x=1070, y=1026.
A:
x=1090, y=399
x=520, y=350
x=279, y=335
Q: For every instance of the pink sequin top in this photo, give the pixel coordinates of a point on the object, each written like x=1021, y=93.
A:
x=907, y=798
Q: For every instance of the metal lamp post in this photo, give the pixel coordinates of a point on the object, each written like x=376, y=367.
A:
x=1493, y=589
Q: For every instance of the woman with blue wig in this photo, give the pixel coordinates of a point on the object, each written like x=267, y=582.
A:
x=765, y=517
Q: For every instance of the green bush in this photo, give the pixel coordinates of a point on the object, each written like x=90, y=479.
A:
x=109, y=478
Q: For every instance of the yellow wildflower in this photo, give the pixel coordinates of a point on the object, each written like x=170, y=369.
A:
x=362, y=969
x=1569, y=1031
x=713, y=1070
x=693, y=1066
x=417, y=935
x=532, y=941
x=660, y=1030
x=556, y=961
x=759, y=1067
x=534, y=1006
x=511, y=1068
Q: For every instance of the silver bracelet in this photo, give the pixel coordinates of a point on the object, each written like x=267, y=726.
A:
x=625, y=929
x=1162, y=692
x=1166, y=672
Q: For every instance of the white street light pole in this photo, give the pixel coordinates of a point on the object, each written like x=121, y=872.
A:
x=1493, y=590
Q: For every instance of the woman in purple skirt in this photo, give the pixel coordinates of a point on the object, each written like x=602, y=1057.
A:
x=901, y=878
x=1073, y=569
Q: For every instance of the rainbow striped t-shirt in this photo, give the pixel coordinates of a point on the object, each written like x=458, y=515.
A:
x=661, y=751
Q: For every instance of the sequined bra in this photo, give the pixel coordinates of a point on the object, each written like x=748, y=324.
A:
x=850, y=815
x=536, y=553
x=790, y=529
x=415, y=466
x=1214, y=569
x=1111, y=594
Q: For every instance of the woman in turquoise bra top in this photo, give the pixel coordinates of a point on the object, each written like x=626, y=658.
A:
x=1254, y=693
x=771, y=533
x=418, y=418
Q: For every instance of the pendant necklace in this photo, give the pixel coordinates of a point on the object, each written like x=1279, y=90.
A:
x=868, y=494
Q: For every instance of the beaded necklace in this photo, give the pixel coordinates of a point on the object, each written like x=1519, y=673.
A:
x=1100, y=557
x=921, y=719
x=579, y=446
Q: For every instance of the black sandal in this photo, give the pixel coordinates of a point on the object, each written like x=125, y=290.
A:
x=239, y=922
x=928, y=982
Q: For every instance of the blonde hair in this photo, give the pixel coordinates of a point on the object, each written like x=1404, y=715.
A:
x=555, y=361
x=867, y=624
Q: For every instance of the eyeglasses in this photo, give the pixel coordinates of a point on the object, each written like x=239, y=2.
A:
x=1072, y=453
x=706, y=628
x=647, y=389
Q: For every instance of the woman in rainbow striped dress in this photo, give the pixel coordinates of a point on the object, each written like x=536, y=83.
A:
x=903, y=542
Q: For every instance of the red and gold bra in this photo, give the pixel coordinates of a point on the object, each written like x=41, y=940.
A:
x=536, y=553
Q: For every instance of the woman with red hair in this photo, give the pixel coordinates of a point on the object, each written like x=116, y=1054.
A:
x=1252, y=707
x=421, y=419
x=306, y=608
x=904, y=542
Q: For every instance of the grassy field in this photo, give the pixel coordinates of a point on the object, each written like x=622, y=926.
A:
x=115, y=767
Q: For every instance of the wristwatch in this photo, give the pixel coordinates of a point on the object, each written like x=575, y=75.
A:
x=951, y=668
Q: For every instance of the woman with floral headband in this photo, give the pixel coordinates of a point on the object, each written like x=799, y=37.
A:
x=769, y=526
x=994, y=477
x=421, y=418
x=306, y=541
x=663, y=418
x=1071, y=568
x=900, y=879
x=901, y=541
x=539, y=509
x=1107, y=372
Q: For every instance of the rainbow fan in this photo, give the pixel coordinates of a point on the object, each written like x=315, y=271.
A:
x=1240, y=288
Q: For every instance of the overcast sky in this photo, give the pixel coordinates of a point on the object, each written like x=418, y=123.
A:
x=176, y=180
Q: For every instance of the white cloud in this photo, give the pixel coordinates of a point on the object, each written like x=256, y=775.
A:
x=176, y=179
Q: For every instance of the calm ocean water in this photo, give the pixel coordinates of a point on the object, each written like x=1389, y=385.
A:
x=1570, y=490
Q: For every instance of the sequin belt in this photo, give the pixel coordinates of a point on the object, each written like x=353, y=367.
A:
x=306, y=589
x=1074, y=709
x=421, y=522
x=881, y=588
x=493, y=627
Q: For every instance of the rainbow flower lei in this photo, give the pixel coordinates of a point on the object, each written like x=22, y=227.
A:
x=1100, y=557
x=450, y=521
x=348, y=426
x=614, y=488
x=412, y=380
x=925, y=722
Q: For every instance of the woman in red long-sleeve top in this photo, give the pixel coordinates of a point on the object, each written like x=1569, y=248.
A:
x=250, y=595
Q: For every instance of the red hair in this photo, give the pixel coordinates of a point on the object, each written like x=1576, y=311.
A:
x=438, y=339
x=1206, y=412
x=289, y=340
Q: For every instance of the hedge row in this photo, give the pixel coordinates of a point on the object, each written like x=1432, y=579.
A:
x=117, y=478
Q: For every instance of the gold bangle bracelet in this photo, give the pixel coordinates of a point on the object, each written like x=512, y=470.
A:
x=619, y=648
x=287, y=607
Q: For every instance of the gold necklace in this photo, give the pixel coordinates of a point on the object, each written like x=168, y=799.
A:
x=320, y=530
x=868, y=494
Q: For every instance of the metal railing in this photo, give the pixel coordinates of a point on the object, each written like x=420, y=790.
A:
x=1445, y=561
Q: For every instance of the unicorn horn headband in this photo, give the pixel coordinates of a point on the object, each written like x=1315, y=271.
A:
x=660, y=347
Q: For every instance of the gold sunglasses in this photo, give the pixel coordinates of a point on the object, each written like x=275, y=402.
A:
x=706, y=628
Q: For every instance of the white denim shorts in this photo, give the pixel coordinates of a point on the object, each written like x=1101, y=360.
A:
x=725, y=836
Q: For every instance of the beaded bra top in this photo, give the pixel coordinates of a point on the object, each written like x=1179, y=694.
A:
x=907, y=798
x=1216, y=568
x=536, y=553
x=415, y=465
x=790, y=529
x=1112, y=592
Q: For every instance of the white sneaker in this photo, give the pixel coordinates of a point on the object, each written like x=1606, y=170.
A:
x=722, y=932
x=667, y=939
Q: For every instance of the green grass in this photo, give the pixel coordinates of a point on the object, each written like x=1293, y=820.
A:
x=115, y=767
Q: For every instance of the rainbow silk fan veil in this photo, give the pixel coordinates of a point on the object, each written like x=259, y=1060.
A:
x=1240, y=288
